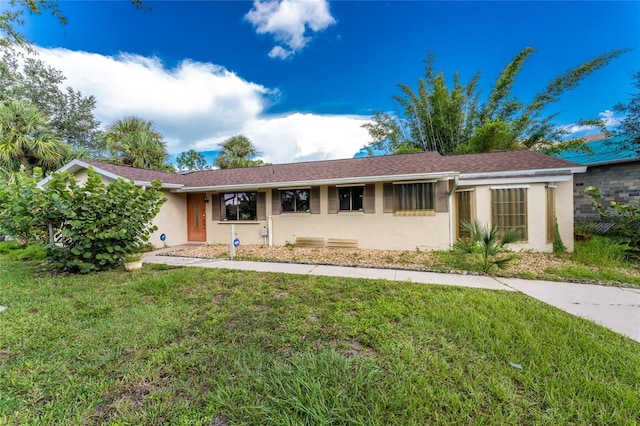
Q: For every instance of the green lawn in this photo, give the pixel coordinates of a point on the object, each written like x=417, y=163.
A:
x=197, y=346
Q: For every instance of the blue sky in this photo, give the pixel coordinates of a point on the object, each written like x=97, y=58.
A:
x=300, y=78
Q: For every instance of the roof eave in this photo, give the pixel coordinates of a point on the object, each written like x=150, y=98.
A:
x=321, y=182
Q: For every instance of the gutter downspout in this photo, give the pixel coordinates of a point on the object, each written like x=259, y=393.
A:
x=451, y=218
x=270, y=230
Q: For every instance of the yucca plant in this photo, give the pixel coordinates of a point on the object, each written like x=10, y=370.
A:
x=488, y=245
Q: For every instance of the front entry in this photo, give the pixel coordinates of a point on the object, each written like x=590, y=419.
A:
x=196, y=217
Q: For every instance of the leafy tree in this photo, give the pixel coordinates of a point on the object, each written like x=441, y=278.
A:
x=26, y=139
x=134, y=142
x=488, y=245
x=237, y=151
x=69, y=113
x=20, y=200
x=447, y=120
x=191, y=160
x=630, y=124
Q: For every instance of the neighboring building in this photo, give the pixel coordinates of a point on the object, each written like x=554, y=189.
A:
x=411, y=201
x=616, y=171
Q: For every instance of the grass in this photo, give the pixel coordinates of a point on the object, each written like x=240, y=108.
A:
x=198, y=346
x=599, y=259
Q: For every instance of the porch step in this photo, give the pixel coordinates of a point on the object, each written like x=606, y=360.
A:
x=310, y=241
x=342, y=243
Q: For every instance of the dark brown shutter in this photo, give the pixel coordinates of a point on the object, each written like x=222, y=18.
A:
x=333, y=199
x=261, y=206
x=369, y=202
x=215, y=207
x=314, y=203
x=388, y=197
x=276, y=203
x=442, y=196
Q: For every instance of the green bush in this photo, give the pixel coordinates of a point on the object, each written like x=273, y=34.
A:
x=487, y=245
x=96, y=225
x=20, y=203
x=626, y=217
x=558, y=244
x=83, y=228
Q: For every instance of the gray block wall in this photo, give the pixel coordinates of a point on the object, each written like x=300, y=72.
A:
x=618, y=182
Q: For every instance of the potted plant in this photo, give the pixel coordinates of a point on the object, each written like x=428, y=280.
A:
x=132, y=262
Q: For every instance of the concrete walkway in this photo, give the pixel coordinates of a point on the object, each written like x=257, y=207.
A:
x=613, y=307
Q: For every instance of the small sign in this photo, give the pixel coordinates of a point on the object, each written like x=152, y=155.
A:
x=163, y=237
x=236, y=242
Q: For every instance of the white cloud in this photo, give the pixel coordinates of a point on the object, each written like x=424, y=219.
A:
x=199, y=105
x=288, y=21
x=607, y=117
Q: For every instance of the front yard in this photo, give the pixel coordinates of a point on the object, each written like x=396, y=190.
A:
x=219, y=347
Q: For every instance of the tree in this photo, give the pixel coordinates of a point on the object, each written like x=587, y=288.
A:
x=436, y=118
x=237, y=151
x=26, y=140
x=191, y=160
x=69, y=113
x=134, y=142
x=630, y=124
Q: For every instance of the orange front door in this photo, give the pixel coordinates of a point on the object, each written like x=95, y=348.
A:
x=196, y=218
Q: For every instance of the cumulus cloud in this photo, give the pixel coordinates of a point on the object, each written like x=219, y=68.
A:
x=607, y=117
x=199, y=105
x=288, y=21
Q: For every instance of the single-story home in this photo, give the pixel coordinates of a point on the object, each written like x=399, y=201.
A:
x=411, y=201
x=611, y=167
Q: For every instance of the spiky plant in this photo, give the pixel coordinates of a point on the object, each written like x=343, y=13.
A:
x=488, y=245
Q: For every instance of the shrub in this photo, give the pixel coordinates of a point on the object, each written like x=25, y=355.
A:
x=83, y=228
x=488, y=245
x=558, y=244
x=626, y=217
x=94, y=226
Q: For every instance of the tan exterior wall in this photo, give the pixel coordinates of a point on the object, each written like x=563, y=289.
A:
x=565, y=213
x=372, y=230
x=171, y=221
x=536, y=213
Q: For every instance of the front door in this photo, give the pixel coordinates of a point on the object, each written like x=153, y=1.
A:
x=196, y=218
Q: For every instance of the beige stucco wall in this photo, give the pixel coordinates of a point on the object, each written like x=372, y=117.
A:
x=372, y=230
x=536, y=213
x=171, y=221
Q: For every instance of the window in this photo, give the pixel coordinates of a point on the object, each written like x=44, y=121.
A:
x=240, y=206
x=295, y=200
x=351, y=198
x=551, y=213
x=509, y=209
x=414, y=196
x=463, y=205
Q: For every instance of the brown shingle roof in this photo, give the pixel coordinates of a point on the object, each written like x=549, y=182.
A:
x=367, y=167
x=141, y=175
x=505, y=161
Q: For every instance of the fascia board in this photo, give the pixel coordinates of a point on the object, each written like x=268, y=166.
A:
x=307, y=183
x=515, y=181
x=506, y=173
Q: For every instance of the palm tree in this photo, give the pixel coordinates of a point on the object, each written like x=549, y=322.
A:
x=134, y=142
x=238, y=151
x=487, y=244
x=26, y=141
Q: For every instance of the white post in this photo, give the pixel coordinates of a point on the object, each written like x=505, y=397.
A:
x=270, y=230
x=232, y=247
